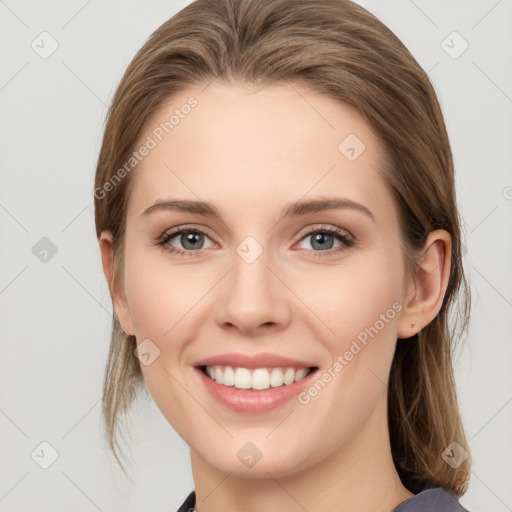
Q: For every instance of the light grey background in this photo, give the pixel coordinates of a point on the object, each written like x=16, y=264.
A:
x=56, y=313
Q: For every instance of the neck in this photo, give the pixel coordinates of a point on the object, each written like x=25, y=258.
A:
x=358, y=476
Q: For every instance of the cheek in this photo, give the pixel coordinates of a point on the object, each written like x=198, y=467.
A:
x=163, y=299
x=359, y=308
x=161, y=296
x=361, y=311
x=347, y=299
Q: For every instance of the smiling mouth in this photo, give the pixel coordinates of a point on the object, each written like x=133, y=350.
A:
x=256, y=379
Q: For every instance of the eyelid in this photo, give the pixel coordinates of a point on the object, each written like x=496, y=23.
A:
x=176, y=230
x=183, y=227
x=344, y=236
x=325, y=227
x=302, y=233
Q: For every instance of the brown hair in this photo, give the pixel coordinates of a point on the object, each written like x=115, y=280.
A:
x=338, y=49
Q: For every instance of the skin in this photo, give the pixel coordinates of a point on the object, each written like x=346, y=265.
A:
x=250, y=153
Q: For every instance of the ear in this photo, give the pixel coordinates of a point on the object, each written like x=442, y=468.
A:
x=116, y=289
x=425, y=292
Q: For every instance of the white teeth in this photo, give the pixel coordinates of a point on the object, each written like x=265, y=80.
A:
x=242, y=378
x=228, y=377
x=259, y=378
x=276, y=378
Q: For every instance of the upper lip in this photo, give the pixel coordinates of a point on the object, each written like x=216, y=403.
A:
x=265, y=360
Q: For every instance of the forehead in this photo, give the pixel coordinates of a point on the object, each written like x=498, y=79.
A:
x=257, y=148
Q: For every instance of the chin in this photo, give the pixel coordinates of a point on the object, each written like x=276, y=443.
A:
x=253, y=460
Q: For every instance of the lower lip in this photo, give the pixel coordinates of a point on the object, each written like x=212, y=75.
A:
x=246, y=400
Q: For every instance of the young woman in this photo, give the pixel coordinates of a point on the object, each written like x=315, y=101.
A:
x=277, y=219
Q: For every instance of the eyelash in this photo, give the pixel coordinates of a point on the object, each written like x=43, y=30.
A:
x=163, y=241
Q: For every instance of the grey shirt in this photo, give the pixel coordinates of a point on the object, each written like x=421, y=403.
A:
x=429, y=500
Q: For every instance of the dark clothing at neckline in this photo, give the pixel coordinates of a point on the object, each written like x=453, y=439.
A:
x=429, y=500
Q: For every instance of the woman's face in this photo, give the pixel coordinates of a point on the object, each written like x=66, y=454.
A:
x=259, y=282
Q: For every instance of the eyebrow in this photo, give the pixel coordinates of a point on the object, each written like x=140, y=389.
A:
x=294, y=209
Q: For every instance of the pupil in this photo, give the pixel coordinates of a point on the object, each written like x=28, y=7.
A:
x=320, y=238
x=191, y=238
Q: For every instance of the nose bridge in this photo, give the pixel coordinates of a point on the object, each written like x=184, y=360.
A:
x=253, y=295
x=251, y=277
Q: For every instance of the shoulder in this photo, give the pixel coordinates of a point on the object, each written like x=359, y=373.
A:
x=189, y=503
x=438, y=499
x=442, y=500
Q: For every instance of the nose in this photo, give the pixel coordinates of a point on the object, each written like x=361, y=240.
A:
x=254, y=296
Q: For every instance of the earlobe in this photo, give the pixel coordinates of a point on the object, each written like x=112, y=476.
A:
x=426, y=293
x=116, y=289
